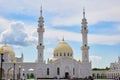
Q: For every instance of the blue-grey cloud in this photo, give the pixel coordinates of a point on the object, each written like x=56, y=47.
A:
x=16, y=35
x=61, y=12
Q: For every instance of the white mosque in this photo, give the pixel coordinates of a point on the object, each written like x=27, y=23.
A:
x=62, y=64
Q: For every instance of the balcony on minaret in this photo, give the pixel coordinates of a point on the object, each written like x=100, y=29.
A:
x=85, y=47
x=40, y=47
x=41, y=24
x=40, y=29
x=41, y=19
x=84, y=30
x=84, y=21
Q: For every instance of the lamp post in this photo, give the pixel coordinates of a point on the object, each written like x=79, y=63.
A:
x=1, y=53
x=19, y=72
x=23, y=74
x=14, y=63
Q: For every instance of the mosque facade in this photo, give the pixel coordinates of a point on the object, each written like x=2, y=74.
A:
x=62, y=64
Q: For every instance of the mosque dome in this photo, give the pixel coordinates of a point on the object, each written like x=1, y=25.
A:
x=7, y=49
x=63, y=49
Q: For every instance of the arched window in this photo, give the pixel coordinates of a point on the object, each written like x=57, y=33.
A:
x=57, y=54
x=60, y=54
x=67, y=54
x=48, y=71
x=93, y=75
x=98, y=75
x=73, y=71
x=58, y=71
x=64, y=54
x=31, y=75
x=40, y=54
x=28, y=76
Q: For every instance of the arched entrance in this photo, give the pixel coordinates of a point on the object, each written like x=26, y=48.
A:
x=10, y=73
x=67, y=72
x=67, y=75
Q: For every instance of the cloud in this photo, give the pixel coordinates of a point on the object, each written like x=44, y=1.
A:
x=118, y=27
x=16, y=35
x=66, y=21
x=25, y=7
x=104, y=39
x=15, y=47
x=77, y=37
x=67, y=11
x=4, y=23
x=59, y=34
x=67, y=14
x=95, y=58
x=23, y=34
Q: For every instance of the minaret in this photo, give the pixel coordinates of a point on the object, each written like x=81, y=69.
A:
x=119, y=59
x=22, y=57
x=40, y=31
x=85, y=47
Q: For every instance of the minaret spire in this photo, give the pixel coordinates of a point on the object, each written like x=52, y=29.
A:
x=119, y=59
x=41, y=10
x=83, y=12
